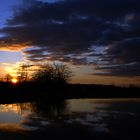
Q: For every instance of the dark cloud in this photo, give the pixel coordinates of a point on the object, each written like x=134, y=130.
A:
x=122, y=59
x=125, y=51
x=125, y=70
x=66, y=30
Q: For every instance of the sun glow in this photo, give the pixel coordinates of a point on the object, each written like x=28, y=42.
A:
x=14, y=80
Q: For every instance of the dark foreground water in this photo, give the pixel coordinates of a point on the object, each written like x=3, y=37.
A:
x=96, y=119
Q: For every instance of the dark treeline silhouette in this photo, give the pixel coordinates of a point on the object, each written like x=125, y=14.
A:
x=32, y=91
x=52, y=82
x=45, y=80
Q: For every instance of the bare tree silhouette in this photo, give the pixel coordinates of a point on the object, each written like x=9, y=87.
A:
x=56, y=73
x=8, y=78
x=22, y=73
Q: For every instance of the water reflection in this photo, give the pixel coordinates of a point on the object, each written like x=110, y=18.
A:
x=9, y=113
x=117, y=118
x=42, y=114
x=49, y=110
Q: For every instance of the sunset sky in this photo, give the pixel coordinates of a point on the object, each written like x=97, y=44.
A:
x=98, y=39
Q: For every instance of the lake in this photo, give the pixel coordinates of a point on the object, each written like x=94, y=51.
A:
x=114, y=119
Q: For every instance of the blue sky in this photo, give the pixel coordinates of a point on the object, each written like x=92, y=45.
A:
x=6, y=10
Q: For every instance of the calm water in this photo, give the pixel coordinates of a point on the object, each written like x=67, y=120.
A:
x=94, y=118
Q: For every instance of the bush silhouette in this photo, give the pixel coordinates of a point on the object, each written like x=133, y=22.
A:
x=52, y=74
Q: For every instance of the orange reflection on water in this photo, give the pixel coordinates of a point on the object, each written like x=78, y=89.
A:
x=10, y=108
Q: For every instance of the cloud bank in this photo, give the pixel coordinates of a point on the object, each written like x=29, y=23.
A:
x=74, y=31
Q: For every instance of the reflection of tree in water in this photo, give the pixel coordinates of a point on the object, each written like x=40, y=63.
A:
x=51, y=111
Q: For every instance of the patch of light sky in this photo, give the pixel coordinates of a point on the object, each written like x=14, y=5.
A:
x=10, y=57
x=50, y=1
x=98, y=49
